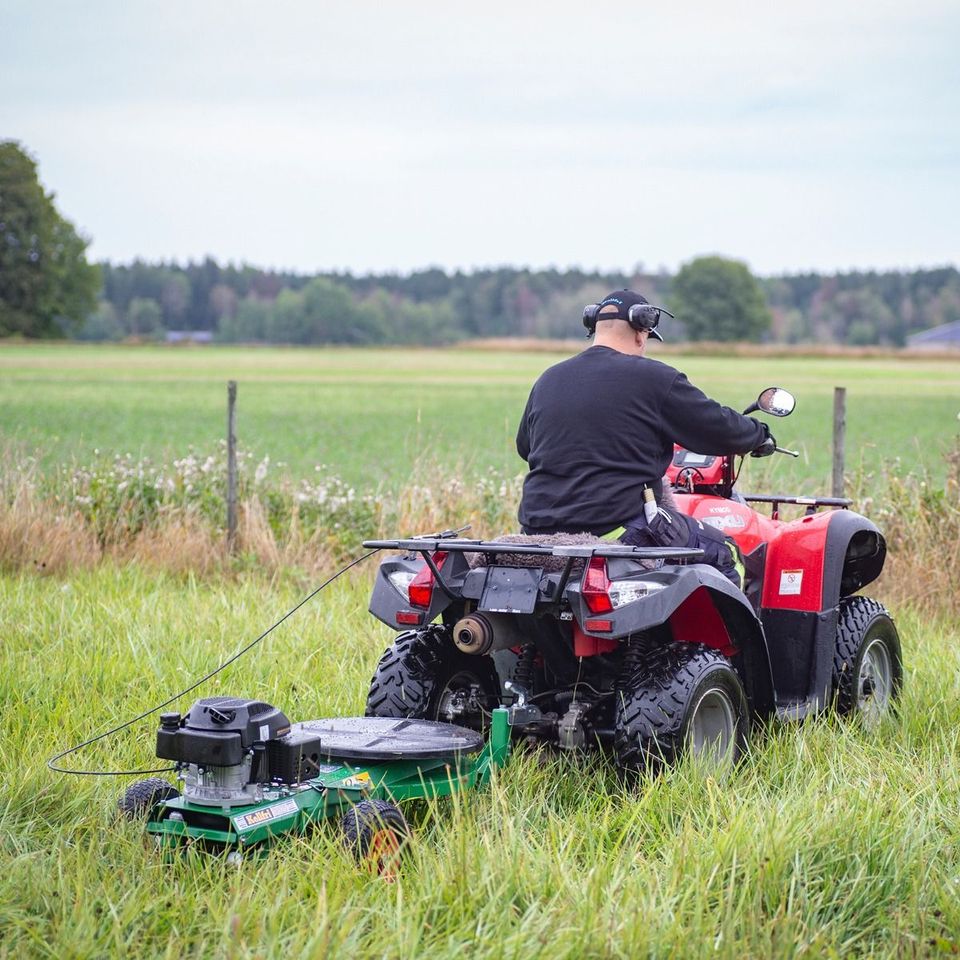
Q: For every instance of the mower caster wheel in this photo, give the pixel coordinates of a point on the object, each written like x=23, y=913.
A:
x=235, y=858
x=374, y=831
x=867, y=663
x=140, y=797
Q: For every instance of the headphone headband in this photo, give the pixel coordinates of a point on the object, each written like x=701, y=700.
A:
x=643, y=317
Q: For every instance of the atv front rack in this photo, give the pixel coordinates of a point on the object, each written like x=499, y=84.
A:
x=812, y=504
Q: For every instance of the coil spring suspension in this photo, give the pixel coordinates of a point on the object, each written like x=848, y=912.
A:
x=523, y=673
x=634, y=651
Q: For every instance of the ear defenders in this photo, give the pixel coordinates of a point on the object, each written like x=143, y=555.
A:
x=643, y=317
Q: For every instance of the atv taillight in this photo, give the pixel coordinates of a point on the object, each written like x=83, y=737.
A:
x=420, y=591
x=596, y=585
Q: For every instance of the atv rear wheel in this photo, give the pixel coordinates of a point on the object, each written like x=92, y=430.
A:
x=867, y=663
x=141, y=797
x=676, y=699
x=423, y=675
x=375, y=831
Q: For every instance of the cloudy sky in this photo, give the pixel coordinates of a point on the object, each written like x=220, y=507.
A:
x=376, y=136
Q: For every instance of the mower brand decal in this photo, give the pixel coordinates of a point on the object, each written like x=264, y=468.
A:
x=790, y=582
x=730, y=522
x=250, y=820
x=357, y=782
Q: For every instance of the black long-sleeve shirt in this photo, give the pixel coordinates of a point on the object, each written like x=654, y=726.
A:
x=600, y=426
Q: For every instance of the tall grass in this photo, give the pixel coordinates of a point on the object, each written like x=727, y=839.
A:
x=170, y=517
x=826, y=841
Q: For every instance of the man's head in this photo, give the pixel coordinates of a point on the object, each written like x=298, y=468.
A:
x=623, y=320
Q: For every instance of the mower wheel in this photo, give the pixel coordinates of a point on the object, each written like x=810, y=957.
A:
x=374, y=831
x=867, y=662
x=679, y=698
x=422, y=675
x=140, y=797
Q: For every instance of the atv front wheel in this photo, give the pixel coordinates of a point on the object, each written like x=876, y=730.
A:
x=676, y=699
x=141, y=797
x=422, y=675
x=375, y=832
x=867, y=663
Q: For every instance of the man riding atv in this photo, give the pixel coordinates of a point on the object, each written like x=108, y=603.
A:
x=598, y=434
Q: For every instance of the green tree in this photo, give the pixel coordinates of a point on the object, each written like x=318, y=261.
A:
x=719, y=299
x=102, y=324
x=47, y=287
x=144, y=317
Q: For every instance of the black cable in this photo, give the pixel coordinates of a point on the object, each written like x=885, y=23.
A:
x=52, y=762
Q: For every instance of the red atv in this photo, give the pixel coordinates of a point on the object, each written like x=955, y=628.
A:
x=643, y=650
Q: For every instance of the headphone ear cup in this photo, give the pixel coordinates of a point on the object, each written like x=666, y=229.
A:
x=643, y=317
x=590, y=312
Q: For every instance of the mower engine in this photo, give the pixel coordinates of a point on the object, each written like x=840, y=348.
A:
x=228, y=749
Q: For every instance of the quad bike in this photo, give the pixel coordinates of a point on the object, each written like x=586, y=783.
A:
x=644, y=651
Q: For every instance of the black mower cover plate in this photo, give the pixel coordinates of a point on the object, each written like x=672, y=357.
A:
x=388, y=738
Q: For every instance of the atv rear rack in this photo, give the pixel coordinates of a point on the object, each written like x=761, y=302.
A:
x=427, y=546
x=573, y=550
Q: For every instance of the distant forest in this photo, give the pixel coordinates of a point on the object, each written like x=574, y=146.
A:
x=246, y=304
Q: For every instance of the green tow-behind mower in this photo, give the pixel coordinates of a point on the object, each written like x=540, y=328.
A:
x=249, y=776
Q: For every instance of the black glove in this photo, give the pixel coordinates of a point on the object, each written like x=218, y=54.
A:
x=769, y=445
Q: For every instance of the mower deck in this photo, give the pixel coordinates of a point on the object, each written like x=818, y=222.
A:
x=361, y=758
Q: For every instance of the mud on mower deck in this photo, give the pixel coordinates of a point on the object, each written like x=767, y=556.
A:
x=359, y=767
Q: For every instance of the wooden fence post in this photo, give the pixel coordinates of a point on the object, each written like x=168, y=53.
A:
x=231, y=465
x=839, y=437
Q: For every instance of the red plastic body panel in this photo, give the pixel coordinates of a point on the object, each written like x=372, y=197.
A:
x=587, y=646
x=793, y=575
x=736, y=520
x=697, y=620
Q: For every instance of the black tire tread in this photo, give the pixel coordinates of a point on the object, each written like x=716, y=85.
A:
x=364, y=819
x=414, y=667
x=652, y=702
x=139, y=798
x=857, y=615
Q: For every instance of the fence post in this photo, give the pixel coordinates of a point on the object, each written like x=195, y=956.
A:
x=231, y=465
x=839, y=437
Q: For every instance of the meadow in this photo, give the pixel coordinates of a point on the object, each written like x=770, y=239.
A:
x=826, y=841
x=371, y=416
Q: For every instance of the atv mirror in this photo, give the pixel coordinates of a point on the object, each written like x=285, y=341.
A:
x=776, y=401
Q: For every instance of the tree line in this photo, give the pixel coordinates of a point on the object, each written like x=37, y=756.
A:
x=713, y=298
x=48, y=289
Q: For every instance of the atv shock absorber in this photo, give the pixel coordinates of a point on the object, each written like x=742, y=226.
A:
x=523, y=672
x=634, y=651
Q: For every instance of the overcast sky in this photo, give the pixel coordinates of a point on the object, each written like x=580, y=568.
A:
x=391, y=136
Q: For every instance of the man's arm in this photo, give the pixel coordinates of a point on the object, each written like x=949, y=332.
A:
x=523, y=433
x=698, y=423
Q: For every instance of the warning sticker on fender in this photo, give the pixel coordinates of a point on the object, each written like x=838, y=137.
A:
x=790, y=582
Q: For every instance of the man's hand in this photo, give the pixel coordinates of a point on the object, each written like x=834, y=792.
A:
x=767, y=448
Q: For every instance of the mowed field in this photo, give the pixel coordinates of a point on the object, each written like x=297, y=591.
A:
x=827, y=841
x=371, y=416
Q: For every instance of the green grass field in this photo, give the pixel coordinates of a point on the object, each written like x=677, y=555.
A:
x=826, y=842
x=370, y=415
